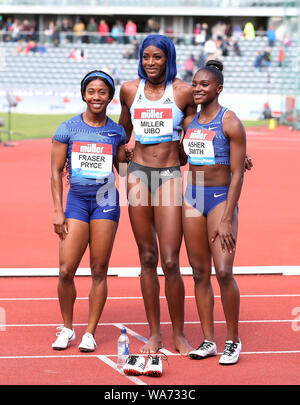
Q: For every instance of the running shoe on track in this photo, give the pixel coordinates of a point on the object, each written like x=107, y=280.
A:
x=153, y=367
x=88, y=343
x=206, y=349
x=231, y=352
x=134, y=365
x=65, y=336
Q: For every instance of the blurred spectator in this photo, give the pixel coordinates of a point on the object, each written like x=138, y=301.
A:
x=224, y=45
x=271, y=35
x=120, y=26
x=287, y=40
x=103, y=30
x=130, y=30
x=218, y=30
x=249, y=30
x=66, y=31
x=20, y=47
x=92, y=31
x=199, y=35
x=56, y=34
x=267, y=58
x=258, y=61
x=78, y=29
x=281, y=56
x=189, y=66
x=236, y=48
x=131, y=51
x=116, y=33
x=49, y=31
x=77, y=54
x=237, y=32
x=149, y=29
x=31, y=47
x=267, y=112
x=210, y=48
x=200, y=61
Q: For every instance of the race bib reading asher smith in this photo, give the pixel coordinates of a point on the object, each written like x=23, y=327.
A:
x=198, y=145
x=153, y=125
x=91, y=160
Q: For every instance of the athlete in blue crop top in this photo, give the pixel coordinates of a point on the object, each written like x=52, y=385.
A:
x=154, y=107
x=214, y=145
x=90, y=143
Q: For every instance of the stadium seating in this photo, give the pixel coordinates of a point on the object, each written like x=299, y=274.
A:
x=54, y=69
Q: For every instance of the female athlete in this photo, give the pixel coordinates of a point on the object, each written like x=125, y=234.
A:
x=215, y=147
x=91, y=143
x=154, y=106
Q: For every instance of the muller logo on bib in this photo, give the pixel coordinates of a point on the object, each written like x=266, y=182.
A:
x=91, y=148
x=152, y=113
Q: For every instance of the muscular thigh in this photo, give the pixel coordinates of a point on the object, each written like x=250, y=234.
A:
x=73, y=246
x=102, y=235
x=195, y=236
x=168, y=217
x=220, y=258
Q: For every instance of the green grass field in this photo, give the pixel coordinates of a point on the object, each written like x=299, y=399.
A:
x=28, y=126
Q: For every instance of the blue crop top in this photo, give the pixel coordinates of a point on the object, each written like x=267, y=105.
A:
x=91, y=150
x=206, y=144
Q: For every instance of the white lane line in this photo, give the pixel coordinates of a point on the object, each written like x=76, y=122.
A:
x=145, y=323
x=140, y=298
x=114, y=355
x=113, y=365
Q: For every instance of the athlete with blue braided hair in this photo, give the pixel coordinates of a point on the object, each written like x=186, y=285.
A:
x=154, y=107
x=91, y=144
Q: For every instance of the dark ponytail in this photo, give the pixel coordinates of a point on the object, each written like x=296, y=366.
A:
x=216, y=68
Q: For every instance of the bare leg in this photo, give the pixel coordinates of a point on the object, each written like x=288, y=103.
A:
x=142, y=223
x=72, y=249
x=102, y=235
x=141, y=216
x=169, y=230
x=223, y=265
x=198, y=250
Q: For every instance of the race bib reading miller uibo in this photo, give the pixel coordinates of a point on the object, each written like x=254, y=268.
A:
x=153, y=125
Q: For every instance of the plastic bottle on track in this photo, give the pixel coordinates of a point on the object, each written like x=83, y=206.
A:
x=123, y=348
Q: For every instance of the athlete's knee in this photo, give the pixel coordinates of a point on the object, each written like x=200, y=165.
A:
x=66, y=273
x=201, y=274
x=99, y=272
x=170, y=266
x=149, y=258
x=224, y=275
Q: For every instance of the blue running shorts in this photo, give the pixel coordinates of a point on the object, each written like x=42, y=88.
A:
x=93, y=202
x=205, y=199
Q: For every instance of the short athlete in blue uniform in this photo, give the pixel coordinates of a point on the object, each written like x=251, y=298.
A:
x=89, y=144
x=215, y=147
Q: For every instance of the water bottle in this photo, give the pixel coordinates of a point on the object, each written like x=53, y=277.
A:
x=123, y=348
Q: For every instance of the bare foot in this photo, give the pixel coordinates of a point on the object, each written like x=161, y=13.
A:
x=153, y=345
x=181, y=345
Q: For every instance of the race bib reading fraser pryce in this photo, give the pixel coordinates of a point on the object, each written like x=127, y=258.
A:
x=153, y=125
x=198, y=145
x=91, y=160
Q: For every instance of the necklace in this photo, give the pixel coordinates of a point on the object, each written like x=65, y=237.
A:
x=90, y=123
x=156, y=84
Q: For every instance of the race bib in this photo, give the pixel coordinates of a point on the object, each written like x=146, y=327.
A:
x=198, y=145
x=153, y=125
x=91, y=160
